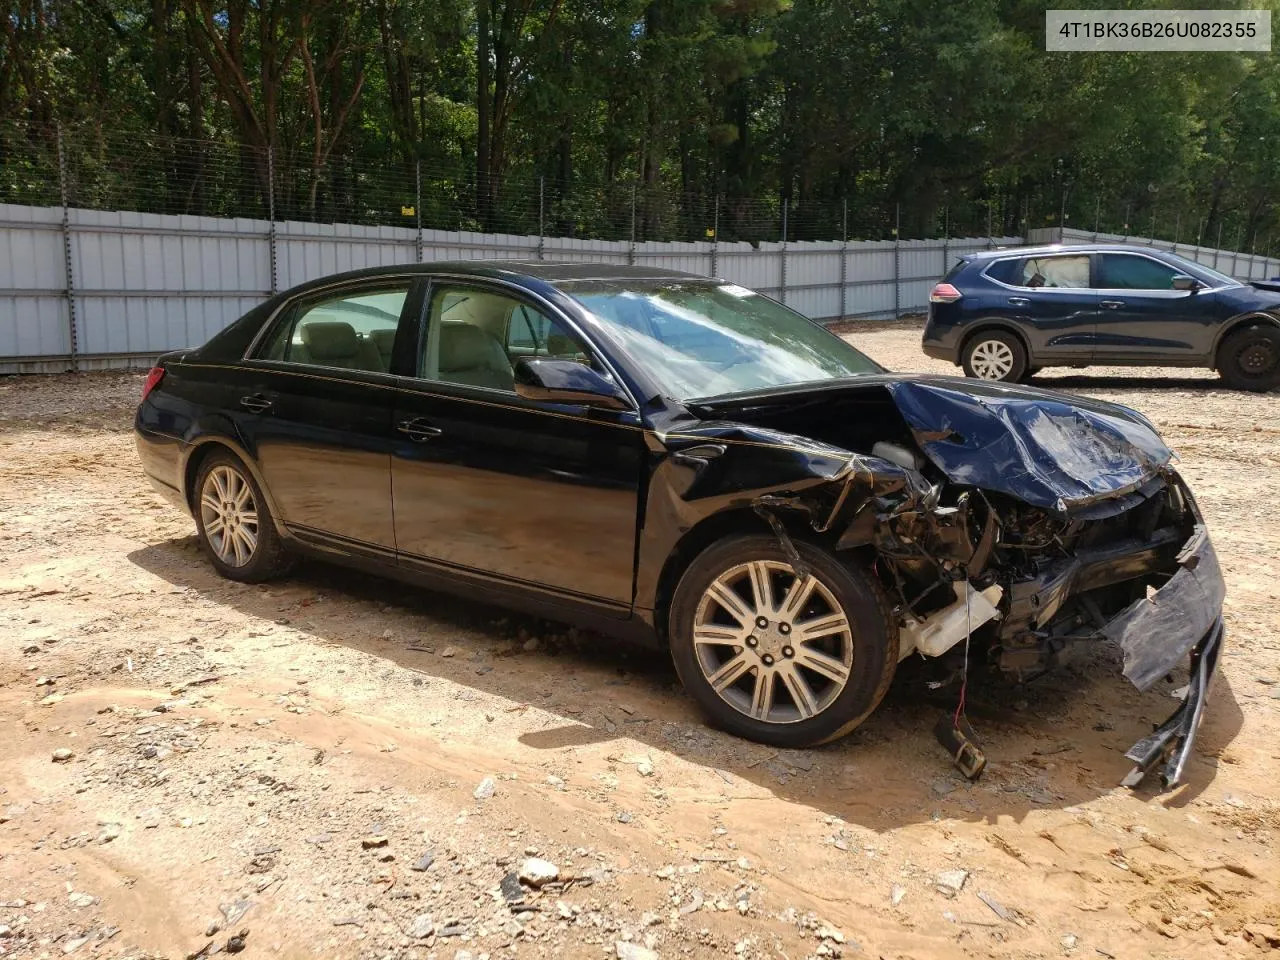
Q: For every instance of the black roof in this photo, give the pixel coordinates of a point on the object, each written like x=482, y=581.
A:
x=1062, y=248
x=547, y=271
x=554, y=271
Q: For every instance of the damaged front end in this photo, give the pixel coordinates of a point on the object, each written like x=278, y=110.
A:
x=1031, y=523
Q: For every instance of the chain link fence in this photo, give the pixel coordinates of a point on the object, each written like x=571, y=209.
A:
x=91, y=168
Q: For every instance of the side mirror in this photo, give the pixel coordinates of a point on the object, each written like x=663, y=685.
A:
x=553, y=380
x=1183, y=282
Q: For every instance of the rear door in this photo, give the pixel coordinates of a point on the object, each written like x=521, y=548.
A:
x=1050, y=298
x=541, y=495
x=1141, y=315
x=323, y=399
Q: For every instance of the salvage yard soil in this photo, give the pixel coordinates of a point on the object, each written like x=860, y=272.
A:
x=347, y=767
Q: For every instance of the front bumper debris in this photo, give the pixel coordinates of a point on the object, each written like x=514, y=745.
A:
x=1185, y=615
x=1157, y=633
x=1173, y=740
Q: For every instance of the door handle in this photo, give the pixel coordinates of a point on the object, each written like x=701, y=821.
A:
x=1019, y=302
x=1111, y=304
x=419, y=430
x=255, y=403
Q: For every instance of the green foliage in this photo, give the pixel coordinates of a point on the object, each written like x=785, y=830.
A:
x=645, y=118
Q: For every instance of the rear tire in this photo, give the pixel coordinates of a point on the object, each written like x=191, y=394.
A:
x=1249, y=359
x=234, y=523
x=994, y=355
x=800, y=667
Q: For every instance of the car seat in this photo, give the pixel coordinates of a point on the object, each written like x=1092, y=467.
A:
x=469, y=355
x=333, y=343
x=384, y=341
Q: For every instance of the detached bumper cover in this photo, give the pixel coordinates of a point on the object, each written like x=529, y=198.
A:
x=1184, y=616
x=1157, y=633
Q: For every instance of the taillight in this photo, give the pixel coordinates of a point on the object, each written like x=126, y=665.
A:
x=944, y=293
x=153, y=380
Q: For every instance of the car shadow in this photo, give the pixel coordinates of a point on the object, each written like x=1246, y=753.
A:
x=1080, y=381
x=1053, y=743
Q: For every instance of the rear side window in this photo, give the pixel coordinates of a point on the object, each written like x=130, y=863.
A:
x=1064, y=272
x=1123, y=271
x=351, y=331
x=1005, y=271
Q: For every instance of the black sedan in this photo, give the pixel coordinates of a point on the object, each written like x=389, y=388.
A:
x=683, y=462
x=1003, y=314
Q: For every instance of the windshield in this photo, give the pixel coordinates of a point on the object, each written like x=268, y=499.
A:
x=702, y=339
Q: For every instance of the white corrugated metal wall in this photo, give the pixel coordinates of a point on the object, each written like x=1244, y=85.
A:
x=113, y=289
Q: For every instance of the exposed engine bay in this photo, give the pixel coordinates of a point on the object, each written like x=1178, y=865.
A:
x=1025, y=524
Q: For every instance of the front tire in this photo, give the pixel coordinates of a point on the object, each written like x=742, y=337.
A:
x=995, y=355
x=779, y=658
x=234, y=523
x=1249, y=359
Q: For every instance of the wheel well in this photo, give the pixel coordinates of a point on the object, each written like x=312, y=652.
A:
x=192, y=469
x=1250, y=320
x=702, y=535
x=984, y=327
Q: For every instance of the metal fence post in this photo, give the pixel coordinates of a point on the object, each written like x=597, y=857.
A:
x=73, y=332
x=844, y=260
x=715, y=238
x=631, y=246
x=541, y=214
x=897, y=259
x=782, y=252
x=417, y=203
x=1217, y=249
x=946, y=245
x=271, y=216
x=1235, y=251
x=1177, y=230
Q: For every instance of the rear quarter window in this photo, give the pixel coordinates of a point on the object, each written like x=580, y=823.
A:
x=1005, y=271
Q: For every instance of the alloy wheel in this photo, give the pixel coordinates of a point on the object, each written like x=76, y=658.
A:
x=229, y=514
x=772, y=643
x=991, y=360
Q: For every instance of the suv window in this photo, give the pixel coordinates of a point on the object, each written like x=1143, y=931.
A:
x=1124, y=271
x=475, y=336
x=352, y=331
x=1068, y=272
x=1005, y=271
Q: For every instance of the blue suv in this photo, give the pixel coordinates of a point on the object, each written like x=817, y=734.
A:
x=1004, y=314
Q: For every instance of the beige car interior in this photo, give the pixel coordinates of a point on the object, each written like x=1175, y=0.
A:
x=467, y=331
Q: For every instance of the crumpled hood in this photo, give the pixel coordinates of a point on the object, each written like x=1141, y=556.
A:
x=1047, y=449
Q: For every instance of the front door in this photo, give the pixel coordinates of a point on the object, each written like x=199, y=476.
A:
x=322, y=433
x=1141, y=316
x=545, y=495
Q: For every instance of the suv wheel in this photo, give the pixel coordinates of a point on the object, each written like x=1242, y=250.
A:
x=994, y=355
x=1249, y=359
x=776, y=656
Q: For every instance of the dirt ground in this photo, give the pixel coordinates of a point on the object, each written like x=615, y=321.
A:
x=312, y=760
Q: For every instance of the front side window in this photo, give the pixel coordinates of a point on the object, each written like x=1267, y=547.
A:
x=350, y=331
x=698, y=338
x=475, y=336
x=1123, y=271
x=1065, y=272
